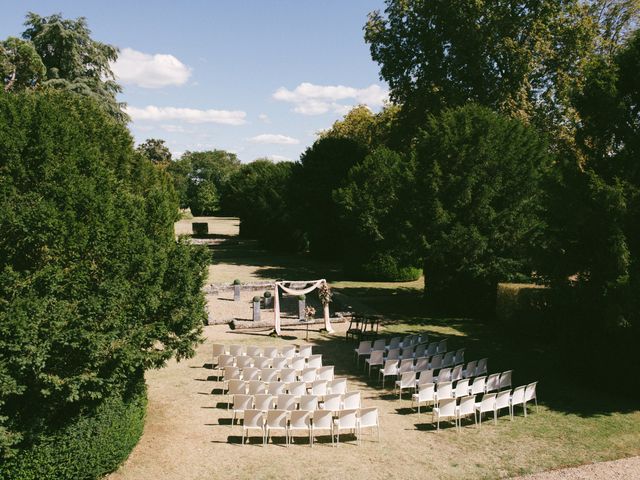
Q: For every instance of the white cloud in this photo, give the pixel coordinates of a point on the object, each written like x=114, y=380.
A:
x=310, y=99
x=278, y=158
x=263, y=117
x=149, y=71
x=189, y=115
x=173, y=128
x=274, y=139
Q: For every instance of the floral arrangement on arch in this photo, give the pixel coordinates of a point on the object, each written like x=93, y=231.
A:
x=325, y=294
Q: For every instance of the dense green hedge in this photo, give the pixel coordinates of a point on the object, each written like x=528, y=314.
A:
x=91, y=445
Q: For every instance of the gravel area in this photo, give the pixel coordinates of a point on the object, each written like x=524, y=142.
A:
x=625, y=469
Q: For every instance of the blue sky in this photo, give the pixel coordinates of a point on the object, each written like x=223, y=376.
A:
x=259, y=78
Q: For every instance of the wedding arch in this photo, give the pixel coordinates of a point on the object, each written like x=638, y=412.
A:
x=310, y=286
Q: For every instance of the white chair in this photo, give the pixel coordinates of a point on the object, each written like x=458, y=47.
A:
x=288, y=375
x=270, y=352
x=478, y=386
x=390, y=369
x=269, y=375
x=394, y=343
x=262, y=362
x=236, y=350
x=444, y=375
x=488, y=404
x=407, y=352
x=285, y=401
x=325, y=373
x=456, y=373
x=276, y=388
x=276, y=420
x=466, y=408
x=253, y=419
x=422, y=364
x=436, y=362
x=297, y=363
x=530, y=394
x=300, y=420
x=363, y=350
x=446, y=409
x=305, y=351
x=470, y=371
x=393, y=354
x=420, y=350
x=426, y=376
x=263, y=402
x=250, y=373
x=308, y=402
x=448, y=359
x=368, y=418
x=481, y=368
x=256, y=387
x=236, y=387
x=426, y=394
x=406, y=365
x=321, y=420
x=240, y=404
x=407, y=380
x=442, y=346
x=319, y=388
x=444, y=391
x=459, y=357
x=314, y=361
x=503, y=400
x=505, y=379
x=462, y=388
x=288, y=351
x=517, y=398
x=432, y=349
x=493, y=383
x=351, y=400
x=231, y=373
x=332, y=402
x=217, y=349
x=308, y=375
x=375, y=360
x=254, y=351
x=225, y=361
x=297, y=388
x=347, y=420
x=278, y=363
x=337, y=385
x=379, y=344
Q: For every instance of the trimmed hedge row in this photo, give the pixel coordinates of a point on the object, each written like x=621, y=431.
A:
x=89, y=447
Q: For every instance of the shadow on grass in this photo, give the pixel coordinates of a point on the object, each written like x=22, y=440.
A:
x=530, y=351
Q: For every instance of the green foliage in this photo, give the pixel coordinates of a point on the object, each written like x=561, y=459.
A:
x=266, y=294
x=376, y=217
x=256, y=299
x=260, y=195
x=20, y=65
x=202, y=180
x=323, y=168
x=478, y=188
x=94, y=288
x=156, y=151
x=237, y=282
x=363, y=126
x=88, y=446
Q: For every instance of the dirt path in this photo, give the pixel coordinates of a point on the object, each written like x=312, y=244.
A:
x=625, y=469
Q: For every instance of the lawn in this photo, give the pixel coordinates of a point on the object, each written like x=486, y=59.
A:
x=188, y=434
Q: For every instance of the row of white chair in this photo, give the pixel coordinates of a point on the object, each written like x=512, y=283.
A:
x=482, y=384
x=426, y=391
x=245, y=361
x=419, y=364
x=256, y=387
x=284, y=375
x=255, y=351
x=285, y=401
x=491, y=402
x=394, y=350
x=310, y=421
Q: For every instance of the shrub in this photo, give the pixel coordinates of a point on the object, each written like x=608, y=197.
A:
x=267, y=294
x=89, y=446
x=302, y=297
x=237, y=282
x=384, y=267
x=256, y=299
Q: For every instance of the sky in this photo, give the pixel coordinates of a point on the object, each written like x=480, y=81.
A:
x=257, y=78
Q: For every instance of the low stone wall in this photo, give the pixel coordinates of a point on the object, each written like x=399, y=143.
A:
x=237, y=324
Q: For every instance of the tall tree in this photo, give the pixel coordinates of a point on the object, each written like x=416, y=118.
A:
x=72, y=61
x=478, y=191
x=156, y=151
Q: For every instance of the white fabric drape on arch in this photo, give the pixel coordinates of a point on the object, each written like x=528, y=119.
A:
x=291, y=291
